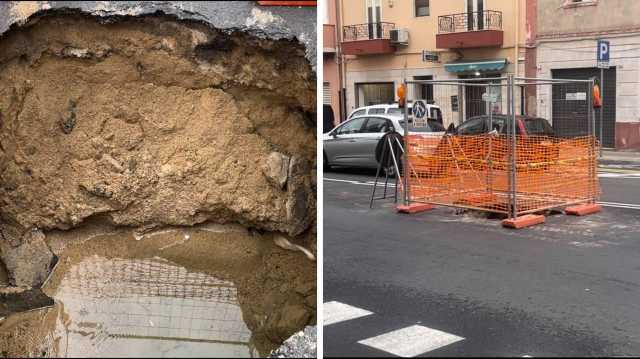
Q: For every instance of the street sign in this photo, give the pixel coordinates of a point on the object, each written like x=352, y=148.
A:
x=576, y=96
x=429, y=56
x=490, y=97
x=603, y=54
x=419, y=109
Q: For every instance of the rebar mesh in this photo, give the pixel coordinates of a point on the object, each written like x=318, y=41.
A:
x=149, y=299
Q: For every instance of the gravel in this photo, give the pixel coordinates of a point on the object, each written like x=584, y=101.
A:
x=300, y=345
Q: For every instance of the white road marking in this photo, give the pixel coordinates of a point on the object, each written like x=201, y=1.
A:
x=620, y=205
x=603, y=203
x=618, y=175
x=335, y=312
x=411, y=341
x=367, y=183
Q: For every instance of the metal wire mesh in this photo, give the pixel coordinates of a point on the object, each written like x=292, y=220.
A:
x=513, y=163
x=149, y=299
x=474, y=171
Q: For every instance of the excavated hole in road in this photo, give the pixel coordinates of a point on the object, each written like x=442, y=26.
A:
x=187, y=291
x=155, y=162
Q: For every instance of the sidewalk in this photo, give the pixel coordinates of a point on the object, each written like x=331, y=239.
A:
x=619, y=160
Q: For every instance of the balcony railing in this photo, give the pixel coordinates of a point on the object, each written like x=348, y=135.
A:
x=370, y=31
x=470, y=21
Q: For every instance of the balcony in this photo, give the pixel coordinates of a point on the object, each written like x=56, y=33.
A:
x=329, y=38
x=468, y=30
x=367, y=39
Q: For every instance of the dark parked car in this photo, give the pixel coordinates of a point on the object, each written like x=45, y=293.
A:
x=536, y=144
x=327, y=118
x=525, y=125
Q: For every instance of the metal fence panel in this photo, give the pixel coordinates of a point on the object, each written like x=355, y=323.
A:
x=508, y=158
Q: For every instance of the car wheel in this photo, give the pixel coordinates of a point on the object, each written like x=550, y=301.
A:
x=386, y=158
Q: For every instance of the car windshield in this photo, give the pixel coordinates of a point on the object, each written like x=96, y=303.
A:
x=538, y=126
x=395, y=111
x=533, y=126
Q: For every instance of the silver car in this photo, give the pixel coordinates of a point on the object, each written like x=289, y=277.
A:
x=353, y=142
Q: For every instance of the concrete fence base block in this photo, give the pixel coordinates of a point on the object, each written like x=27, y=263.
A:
x=523, y=221
x=414, y=208
x=583, y=209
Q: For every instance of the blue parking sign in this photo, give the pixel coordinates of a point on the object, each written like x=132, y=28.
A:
x=603, y=50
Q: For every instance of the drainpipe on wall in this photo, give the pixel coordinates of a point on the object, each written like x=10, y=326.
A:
x=517, y=55
x=342, y=66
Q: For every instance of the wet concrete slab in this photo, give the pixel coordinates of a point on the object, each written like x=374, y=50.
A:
x=148, y=307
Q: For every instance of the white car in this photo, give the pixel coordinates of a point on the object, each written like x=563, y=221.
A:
x=353, y=142
x=433, y=111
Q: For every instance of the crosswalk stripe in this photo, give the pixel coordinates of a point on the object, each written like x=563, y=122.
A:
x=335, y=312
x=411, y=341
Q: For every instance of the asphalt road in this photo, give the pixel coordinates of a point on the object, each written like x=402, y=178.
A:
x=568, y=287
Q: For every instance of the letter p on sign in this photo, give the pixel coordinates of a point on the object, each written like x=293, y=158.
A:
x=603, y=50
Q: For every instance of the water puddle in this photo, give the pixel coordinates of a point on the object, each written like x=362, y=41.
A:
x=173, y=293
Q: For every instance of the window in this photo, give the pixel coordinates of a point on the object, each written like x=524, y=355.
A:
x=435, y=126
x=374, y=18
x=326, y=93
x=436, y=114
x=353, y=126
x=368, y=94
x=538, y=126
x=326, y=12
x=424, y=91
x=421, y=8
x=359, y=113
x=374, y=111
x=395, y=111
x=577, y=3
x=473, y=126
x=376, y=125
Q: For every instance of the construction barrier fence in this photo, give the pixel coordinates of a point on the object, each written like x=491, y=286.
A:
x=515, y=155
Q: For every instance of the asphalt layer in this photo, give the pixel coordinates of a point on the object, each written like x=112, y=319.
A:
x=568, y=287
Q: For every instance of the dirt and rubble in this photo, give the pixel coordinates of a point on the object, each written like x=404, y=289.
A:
x=145, y=123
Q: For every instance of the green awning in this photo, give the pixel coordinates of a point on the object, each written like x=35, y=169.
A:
x=476, y=66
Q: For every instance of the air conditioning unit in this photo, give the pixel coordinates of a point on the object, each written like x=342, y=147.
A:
x=399, y=36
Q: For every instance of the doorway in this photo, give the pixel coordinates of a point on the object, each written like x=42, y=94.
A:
x=474, y=105
x=373, y=19
x=475, y=14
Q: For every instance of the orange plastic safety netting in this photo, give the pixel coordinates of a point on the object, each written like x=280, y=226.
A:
x=476, y=171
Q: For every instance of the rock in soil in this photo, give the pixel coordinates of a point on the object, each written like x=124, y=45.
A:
x=300, y=345
x=28, y=264
x=15, y=300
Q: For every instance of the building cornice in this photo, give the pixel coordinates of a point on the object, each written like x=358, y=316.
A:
x=630, y=30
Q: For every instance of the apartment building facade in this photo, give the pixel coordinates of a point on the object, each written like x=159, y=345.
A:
x=385, y=41
x=566, y=34
x=331, y=65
